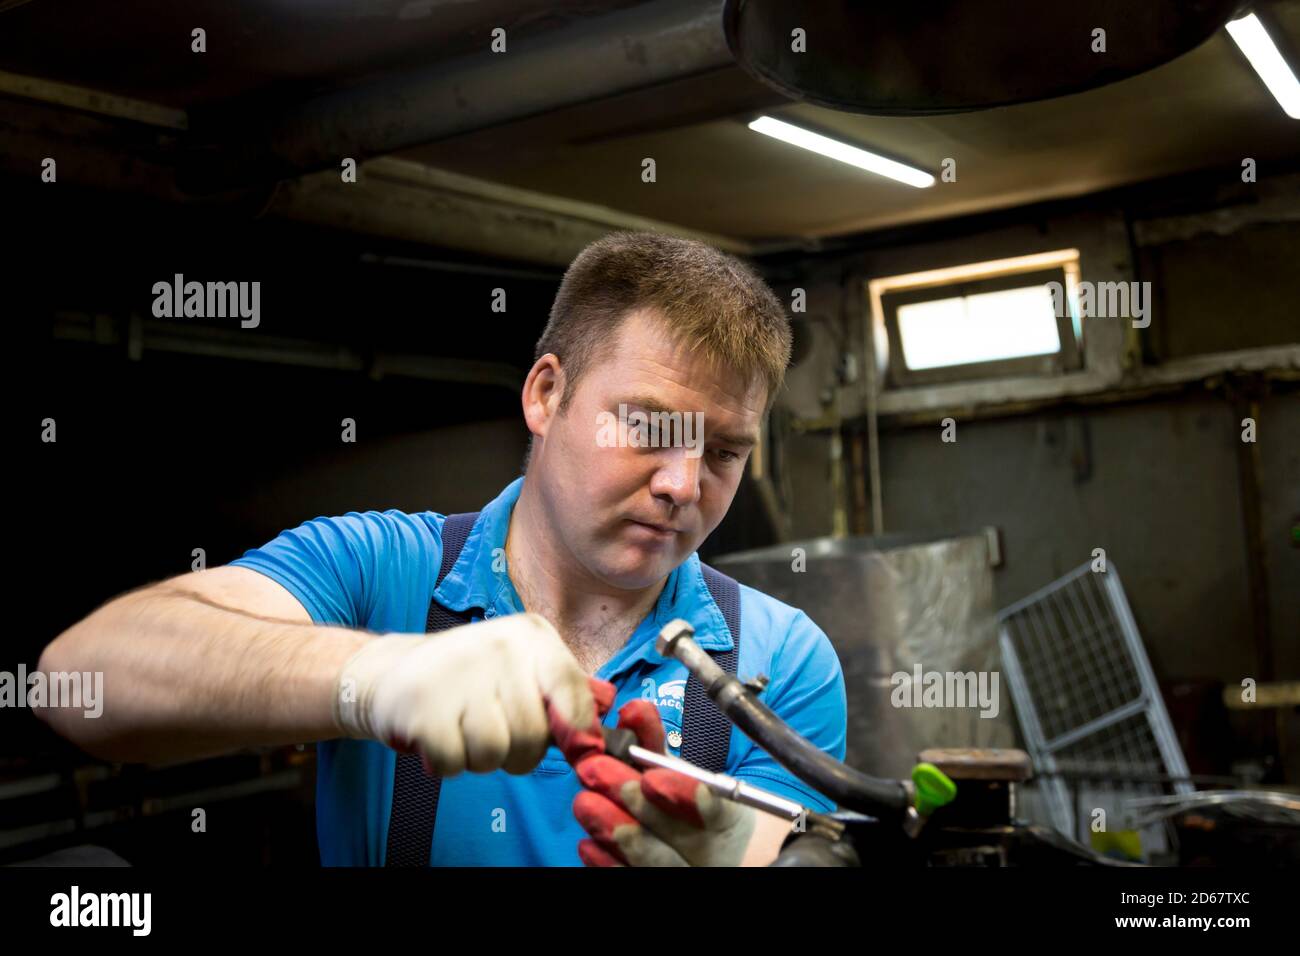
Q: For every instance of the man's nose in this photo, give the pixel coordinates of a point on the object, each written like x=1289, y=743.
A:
x=677, y=479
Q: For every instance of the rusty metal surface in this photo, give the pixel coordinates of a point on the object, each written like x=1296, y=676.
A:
x=980, y=763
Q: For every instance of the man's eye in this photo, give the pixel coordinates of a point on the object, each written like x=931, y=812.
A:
x=726, y=456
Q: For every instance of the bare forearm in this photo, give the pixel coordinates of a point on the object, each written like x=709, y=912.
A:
x=184, y=677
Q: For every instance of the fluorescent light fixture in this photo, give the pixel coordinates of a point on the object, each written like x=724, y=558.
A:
x=807, y=139
x=1249, y=34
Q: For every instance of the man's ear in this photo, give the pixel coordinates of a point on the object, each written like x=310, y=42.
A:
x=543, y=389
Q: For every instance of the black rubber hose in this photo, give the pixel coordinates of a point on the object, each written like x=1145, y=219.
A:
x=851, y=789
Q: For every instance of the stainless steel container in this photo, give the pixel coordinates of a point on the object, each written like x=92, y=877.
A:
x=888, y=604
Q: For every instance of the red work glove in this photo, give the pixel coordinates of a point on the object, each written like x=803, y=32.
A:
x=577, y=743
x=652, y=818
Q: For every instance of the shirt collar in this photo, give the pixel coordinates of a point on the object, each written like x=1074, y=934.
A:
x=474, y=581
x=478, y=579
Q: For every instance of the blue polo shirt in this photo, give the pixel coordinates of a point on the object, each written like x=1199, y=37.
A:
x=377, y=570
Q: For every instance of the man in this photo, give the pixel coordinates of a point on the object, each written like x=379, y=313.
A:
x=571, y=571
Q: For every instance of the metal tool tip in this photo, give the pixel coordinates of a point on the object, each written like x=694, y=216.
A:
x=670, y=633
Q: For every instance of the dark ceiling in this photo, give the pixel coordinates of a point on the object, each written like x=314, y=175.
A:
x=1204, y=110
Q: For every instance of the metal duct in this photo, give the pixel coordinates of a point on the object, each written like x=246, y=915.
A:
x=627, y=50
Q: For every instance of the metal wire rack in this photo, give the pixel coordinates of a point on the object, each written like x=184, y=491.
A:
x=1088, y=704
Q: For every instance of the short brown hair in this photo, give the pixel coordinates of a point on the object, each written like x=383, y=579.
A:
x=710, y=301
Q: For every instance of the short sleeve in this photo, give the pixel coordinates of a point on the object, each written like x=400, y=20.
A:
x=337, y=566
x=807, y=692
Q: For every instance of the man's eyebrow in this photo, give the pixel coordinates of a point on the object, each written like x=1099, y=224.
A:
x=649, y=404
x=746, y=440
x=653, y=405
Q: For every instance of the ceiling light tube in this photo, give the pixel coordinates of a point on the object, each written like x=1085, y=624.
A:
x=1249, y=34
x=853, y=155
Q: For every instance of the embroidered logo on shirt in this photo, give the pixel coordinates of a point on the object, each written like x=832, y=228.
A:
x=669, y=695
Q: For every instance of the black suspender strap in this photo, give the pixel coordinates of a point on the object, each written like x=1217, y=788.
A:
x=706, y=734
x=415, y=793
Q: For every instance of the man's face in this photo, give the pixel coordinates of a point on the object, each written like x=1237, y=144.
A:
x=631, y=514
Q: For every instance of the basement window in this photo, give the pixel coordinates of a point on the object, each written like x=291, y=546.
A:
x=983, y=320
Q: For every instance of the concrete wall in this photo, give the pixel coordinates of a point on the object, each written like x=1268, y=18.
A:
x=1155, y=484
x=1153, y=480
x=1280, y=510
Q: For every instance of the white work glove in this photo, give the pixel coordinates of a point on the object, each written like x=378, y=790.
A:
x=470, y=698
